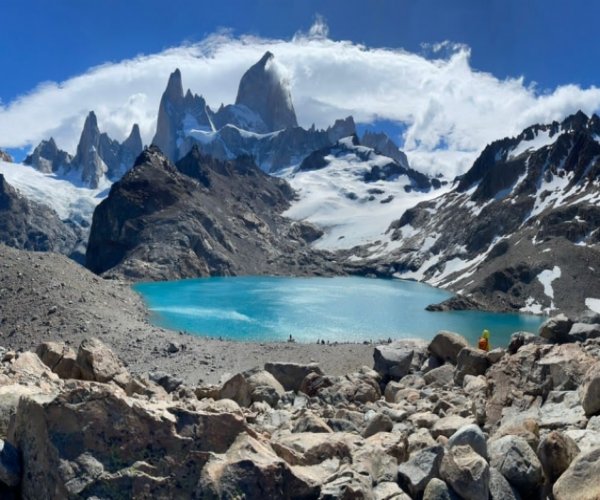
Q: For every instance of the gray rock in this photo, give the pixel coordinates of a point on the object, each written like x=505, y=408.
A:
x=389, y=490
x=585, y=439
x=446, y=345
x=471, y=435
x=441, y=377
x=263, y=91
x=470, y=361
x=379, y=423
x=590, y=391
x=10, y=464
x=393, y=361
x=556, y=329
x=583, y=331
x=466, y=472
x=519, y=339
x=310, y=422
x=421, y=467
x=495, y=355
x=438, y=490
x=581, y=478
x=500, y=488
x=562, y=409
x=556, y=451
x=167, y=381
x=291, y=375
x=518, y=463
x=447, y=426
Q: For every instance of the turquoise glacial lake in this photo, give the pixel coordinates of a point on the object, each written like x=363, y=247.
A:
x=342, y=309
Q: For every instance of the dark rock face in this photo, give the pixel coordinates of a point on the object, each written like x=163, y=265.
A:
x=373, y=169
x=48, y=158
x=529, y=205
x=263, y=91
x=381, y=143
x=30, y=226
x=202, y=217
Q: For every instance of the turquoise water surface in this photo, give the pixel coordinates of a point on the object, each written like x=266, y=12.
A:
x=342, y=309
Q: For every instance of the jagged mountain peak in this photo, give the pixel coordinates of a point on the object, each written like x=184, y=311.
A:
x=174, y=90
x=134, y=140
x=264, y=91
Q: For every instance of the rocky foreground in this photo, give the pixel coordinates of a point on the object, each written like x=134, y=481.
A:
x=429, y=421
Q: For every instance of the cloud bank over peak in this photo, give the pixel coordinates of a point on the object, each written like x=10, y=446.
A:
x=449, y=109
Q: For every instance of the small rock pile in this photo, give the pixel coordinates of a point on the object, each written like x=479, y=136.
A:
x=436, y=420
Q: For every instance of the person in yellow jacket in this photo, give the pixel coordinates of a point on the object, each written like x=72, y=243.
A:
x=484, y=341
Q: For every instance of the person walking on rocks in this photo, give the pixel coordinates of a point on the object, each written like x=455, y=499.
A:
x=484, y=341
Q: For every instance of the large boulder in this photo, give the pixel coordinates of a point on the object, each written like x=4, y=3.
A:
x=446, y=345
x=583, y=331
x=519, y=339
x=94, y=441
x=470, y=435
x=97, y=362
x=251, y=386
x=251, y=470
x=580, y=480
x=562, y=410
x=60, y=358
x=556, y=329
x=291, y=375
x=590, y=391
x=421, y=467
x=393, y=361
x=470, y=361
x=307, y=448
x=379, y=455
x=518, y=463
x=556, y=452
x=466, y=472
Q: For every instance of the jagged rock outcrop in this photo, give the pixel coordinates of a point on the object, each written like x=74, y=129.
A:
x=264, y=91
x=48, y=158
x=4, y=156
x=382, y=144
x=28, y=225
x=179, y=114
x=200, y=217
x=98, y=156
x=262, y=123
x=88, y=160
x=520, y=230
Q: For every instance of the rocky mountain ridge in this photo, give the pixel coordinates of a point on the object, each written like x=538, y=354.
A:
x=522, y=222
x=98, y=160
x=27, y=225
x=200, y=217
x=262, y=123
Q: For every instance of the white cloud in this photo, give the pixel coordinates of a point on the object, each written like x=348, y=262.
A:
x=443, y=100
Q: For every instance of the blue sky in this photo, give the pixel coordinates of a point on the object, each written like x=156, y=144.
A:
x=551, y=42
x=374, y=60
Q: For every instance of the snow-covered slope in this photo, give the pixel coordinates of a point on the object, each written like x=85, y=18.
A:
x=355, y=195
x=520, y=230
x=64, y=196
